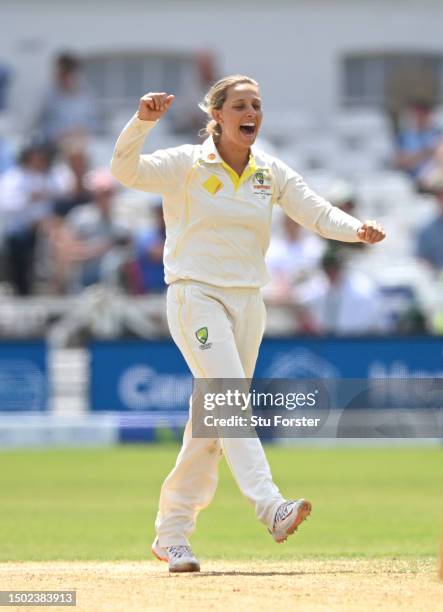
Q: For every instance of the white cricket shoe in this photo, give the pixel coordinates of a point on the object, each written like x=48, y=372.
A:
x=288, y=517
x=180, y=557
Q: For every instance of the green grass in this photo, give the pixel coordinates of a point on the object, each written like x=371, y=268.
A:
x=101, y=504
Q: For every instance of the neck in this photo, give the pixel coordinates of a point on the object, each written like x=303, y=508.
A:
x=236, y=157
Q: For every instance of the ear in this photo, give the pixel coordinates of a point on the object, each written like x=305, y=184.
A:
x=217, y=115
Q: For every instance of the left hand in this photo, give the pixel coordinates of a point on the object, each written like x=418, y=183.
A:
x=371, y=232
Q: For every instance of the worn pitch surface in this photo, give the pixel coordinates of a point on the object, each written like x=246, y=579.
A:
x=336, y=584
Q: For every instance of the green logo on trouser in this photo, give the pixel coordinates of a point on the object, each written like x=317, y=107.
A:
x=202, y=335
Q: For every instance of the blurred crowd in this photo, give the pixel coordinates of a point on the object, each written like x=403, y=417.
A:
x=59, y=233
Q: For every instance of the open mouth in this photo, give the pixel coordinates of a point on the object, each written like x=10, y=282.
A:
x=248, y=128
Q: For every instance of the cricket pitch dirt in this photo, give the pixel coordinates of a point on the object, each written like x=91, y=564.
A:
x=332, y=585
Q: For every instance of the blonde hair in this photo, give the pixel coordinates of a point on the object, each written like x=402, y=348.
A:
x=216, y=97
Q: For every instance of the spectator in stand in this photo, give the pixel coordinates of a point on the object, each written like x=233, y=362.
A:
x=419, y=143
x=342, y=194
x=291, y=257
x=27, y=193
x=185, y=114
x=90, y=237
x=50, y=269
x=339, y=301
x=69, y=108
x=6, y=154
x=429, y=246
x=78, y=164
x=5, y=81
x=149, y=245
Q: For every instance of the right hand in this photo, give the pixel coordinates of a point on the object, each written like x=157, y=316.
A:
x=154, y=105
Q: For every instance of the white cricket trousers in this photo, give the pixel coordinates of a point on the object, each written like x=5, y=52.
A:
x=235, y=321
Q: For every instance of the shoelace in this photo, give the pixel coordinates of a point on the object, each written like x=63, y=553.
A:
x=283, y=511
x=179, y=551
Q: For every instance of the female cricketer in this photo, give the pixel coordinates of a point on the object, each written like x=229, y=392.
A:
x=217, y=202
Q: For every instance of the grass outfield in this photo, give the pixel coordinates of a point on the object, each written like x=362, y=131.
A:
x=101, y=504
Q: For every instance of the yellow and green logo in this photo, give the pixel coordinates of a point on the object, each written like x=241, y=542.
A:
x=260, y=177
x=202, y=335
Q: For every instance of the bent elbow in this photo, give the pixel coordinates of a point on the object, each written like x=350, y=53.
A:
x=118, y=171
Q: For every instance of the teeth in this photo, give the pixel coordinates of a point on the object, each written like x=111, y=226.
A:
x=248, y=125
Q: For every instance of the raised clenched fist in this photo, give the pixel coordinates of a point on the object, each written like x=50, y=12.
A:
x=371, y=232
x=152, y=106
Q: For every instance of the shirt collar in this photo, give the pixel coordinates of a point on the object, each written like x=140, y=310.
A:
x=210, y=154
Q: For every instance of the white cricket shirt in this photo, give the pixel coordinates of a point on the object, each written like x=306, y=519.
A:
x=218, y=224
